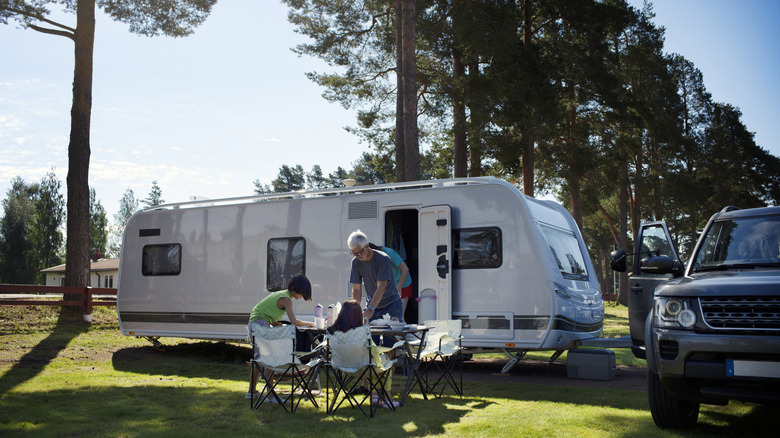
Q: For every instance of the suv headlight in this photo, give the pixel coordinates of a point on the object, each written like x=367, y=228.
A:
x=673, y=313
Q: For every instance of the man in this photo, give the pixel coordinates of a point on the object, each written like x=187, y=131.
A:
x=373, y=270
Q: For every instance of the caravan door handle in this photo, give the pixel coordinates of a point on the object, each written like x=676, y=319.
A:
x=636, y=289
x=443, y=267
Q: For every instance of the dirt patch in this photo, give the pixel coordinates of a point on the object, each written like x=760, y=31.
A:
x=545, y=373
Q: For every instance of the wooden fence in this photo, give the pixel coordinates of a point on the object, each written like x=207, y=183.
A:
x=31, y=295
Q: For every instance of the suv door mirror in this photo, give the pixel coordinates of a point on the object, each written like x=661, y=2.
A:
x=657, y=265
x=617, y=260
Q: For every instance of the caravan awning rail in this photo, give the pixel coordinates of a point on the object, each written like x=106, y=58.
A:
x=411, y=185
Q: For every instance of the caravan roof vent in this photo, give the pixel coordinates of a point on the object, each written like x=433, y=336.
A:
x=363, y=210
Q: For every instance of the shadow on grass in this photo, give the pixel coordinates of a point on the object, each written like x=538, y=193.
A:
x=68, y=327
x=213, y=360
x=149, y=410
x=759, y=422
x=419, y=417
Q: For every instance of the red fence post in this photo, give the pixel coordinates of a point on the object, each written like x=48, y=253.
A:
x=88, y=301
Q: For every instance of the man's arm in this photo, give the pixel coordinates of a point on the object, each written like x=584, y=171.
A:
x=380, y=290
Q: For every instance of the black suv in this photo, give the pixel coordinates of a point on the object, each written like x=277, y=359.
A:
x=710, y=332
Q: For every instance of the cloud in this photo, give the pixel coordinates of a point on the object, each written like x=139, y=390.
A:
x=10, y=123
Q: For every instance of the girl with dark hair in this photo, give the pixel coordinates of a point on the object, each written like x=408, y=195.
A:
x=351, y=316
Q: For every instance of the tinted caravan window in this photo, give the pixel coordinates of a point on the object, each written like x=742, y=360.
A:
x=162, y=259
x=566, y=249
x=477, y=248
x=286, y=258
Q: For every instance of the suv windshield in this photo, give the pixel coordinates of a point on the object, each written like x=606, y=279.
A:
x=740, y=243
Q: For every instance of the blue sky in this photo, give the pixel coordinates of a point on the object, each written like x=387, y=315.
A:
x=208, y=114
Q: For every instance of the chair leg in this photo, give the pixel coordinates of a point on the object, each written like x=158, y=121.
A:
x=423, y=379
x=302, y=382
x=342, y=391
x=269, y=390
x=377, y=383
x=446, y=366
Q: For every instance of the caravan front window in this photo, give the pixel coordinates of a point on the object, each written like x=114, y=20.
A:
x=566, y=250
x=286, y=258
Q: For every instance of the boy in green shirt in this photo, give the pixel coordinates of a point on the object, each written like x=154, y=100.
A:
x=273, y=307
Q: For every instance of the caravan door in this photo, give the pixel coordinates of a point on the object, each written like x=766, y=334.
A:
x=435, y=264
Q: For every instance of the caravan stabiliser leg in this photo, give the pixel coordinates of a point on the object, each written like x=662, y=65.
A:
x=154, y=341
x=513, y=360
x=555, y=355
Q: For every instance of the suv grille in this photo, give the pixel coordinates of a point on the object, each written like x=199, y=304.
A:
x=749, y=313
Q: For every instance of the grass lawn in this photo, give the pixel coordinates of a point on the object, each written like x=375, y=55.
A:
x=74, y=379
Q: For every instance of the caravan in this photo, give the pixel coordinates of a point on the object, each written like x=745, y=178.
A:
x=514, y=270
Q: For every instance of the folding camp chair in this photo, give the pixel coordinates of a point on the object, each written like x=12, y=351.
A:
x=353, y=357
x=442, y=354
x=277, y=362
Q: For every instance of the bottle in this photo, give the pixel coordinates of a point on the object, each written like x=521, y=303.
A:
x=319, y=321
x=329, y=317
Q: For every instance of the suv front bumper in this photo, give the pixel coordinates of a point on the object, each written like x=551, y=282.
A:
x=700, y=366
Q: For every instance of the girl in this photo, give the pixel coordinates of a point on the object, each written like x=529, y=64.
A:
x=351, y=316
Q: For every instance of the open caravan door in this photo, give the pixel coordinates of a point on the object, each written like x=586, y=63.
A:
x=435, y=264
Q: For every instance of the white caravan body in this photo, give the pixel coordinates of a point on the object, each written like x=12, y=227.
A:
x=514, y=270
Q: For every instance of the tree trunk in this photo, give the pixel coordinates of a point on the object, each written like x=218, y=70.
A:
x=400, y=152
x=528, y=133
x=528, y=162
x=639, y=187
x=460, y=167
x=576, y=202
x=475, y=139
x=410, y=92
x=623, y=221
x=77, y=247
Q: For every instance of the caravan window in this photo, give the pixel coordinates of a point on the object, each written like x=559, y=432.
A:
x=477, y=248
x=566, y=250
x=161, y=259
x=286, y=258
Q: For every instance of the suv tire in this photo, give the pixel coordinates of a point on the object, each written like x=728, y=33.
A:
x=668, y=412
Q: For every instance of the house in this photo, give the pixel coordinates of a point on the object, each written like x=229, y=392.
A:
x=102, y=273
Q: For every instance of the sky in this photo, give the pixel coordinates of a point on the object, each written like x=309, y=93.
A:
x=209, y=114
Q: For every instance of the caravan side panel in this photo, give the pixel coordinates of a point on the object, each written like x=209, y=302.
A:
x=224, y=265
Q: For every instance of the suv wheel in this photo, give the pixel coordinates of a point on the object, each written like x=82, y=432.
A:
x=668, y=412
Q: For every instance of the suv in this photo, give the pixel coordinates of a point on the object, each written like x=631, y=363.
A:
x=710, y=332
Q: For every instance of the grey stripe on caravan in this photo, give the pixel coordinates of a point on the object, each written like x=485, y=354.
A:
x=529, y=322
x=190, y=318
x=569, y=325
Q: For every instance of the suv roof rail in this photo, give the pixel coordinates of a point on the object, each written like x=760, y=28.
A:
x=729, y=208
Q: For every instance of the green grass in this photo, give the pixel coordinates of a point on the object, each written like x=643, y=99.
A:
x=71, y=379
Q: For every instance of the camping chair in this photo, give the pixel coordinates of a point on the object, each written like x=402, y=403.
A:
x=442, y=353
x=353, y=357
x=278, y=361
